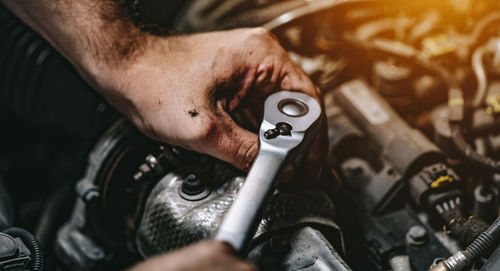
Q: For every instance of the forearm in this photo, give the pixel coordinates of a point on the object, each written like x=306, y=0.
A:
x=94, y=35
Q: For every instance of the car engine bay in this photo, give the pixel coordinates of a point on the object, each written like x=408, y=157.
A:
x=412, y=100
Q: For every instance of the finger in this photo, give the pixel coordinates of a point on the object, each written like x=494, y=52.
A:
x=295, y=78
x=231, y=143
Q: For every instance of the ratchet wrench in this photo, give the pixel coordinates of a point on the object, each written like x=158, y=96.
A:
x=291, y=121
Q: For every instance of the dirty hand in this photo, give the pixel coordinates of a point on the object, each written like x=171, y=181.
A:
x=178, y=89
x=183, y=90
x=206, y=255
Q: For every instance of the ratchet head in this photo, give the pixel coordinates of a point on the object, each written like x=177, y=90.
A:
x=291, y=120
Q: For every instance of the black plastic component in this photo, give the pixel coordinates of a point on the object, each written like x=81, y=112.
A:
x=420, y=185
x=467, y=229
x=8, y=247
x=14, y=255
x=485, y=207
x=37, y=259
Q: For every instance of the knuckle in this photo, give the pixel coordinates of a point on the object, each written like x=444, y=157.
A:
x=219, y=247
x=246, y=153
x=262, y=35
x=260, y=32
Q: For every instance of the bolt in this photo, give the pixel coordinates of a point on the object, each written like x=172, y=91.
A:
x=192, y=185
x=138, y=176
x=144, y=168
x=151, y=160
x=417, y=235
x=282, y=128
x=91, y=196
x=271, y=133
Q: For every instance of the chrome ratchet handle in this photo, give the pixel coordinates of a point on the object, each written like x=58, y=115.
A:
x=291, y=121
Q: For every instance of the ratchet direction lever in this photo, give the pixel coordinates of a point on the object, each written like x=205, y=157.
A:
x=291, y=121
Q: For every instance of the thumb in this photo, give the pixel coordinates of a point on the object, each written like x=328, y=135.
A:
x=233, y=144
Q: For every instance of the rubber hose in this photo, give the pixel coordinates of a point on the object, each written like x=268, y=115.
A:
x=486, y=242
x=39, y=86
x=31, y=243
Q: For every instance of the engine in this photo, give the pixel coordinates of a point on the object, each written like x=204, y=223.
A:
x=412, y=100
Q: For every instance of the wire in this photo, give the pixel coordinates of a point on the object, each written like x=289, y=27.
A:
x=482, y=246
x=480, y=73
x=482, y=25
x=32, y=244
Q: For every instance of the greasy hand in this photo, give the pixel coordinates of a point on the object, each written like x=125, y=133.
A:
x=206, y=255
x=183, y=89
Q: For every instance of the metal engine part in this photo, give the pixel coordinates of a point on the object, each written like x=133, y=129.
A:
x=170, y=221
x=183, y=205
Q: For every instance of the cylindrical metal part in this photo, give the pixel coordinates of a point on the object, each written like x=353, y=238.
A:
x=457, y=262
x=400, y=263
x=439, y=267
x=407, y=148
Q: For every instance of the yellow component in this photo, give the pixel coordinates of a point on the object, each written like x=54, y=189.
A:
x=493, y=103
x=455, y=101
x=441, y=181
x=438, y=45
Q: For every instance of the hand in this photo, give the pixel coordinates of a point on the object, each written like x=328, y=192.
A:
x=206, y=255
x=179, y=89
x=182, y=90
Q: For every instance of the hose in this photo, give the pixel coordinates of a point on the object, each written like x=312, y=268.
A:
x=39, y=86
x=466, y=230
x=31, y=243
x=480, y=73
x=482, y=246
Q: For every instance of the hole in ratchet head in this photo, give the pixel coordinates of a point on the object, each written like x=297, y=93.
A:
x=293, y=108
